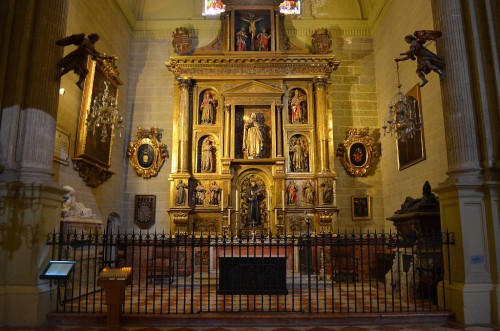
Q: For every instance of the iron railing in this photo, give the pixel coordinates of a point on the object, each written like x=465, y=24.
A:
x=185, y=274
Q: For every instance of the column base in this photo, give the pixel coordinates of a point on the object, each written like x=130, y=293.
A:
x=471, y=303
x=25, y=306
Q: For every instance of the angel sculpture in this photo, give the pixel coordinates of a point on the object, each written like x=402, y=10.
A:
x=77, y=59
x=427, y=61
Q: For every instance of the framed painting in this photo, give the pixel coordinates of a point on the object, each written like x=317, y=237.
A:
x=94, y=145
x=91, y=145
x=145, y=211
x=361, y=208
x=412, y=150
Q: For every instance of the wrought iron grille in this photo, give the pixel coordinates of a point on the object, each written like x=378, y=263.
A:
x=186, y=274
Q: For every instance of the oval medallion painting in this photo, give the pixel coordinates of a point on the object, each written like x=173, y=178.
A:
x=146, y=156
x=357, y=154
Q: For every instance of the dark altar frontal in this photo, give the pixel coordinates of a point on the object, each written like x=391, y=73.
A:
x=252, y=275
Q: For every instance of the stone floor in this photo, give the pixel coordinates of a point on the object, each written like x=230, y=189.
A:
x=444, y=326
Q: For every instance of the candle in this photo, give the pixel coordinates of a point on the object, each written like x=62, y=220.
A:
x=237, y=201
x=228, y=217
x=222, y=200
x=283, y=199
x=275, y=216
x=268, y=200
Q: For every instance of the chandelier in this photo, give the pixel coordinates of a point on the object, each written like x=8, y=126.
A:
x=103, y=115
x=403, y=118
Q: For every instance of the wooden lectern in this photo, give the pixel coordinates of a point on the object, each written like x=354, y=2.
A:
x=114, y=280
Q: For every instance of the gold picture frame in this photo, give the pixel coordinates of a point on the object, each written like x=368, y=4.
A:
x=93, y=156
x=146, y=153
x=357, y=152
x=412, y=150
x=361, y=208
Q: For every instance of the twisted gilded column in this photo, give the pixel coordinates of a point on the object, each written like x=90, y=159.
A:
x=183, y=160
x=322, y=125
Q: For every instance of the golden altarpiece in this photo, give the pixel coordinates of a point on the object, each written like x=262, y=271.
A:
x=251, y=148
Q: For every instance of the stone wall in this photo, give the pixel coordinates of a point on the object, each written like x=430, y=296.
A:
x=388, y=37
x=106, y=20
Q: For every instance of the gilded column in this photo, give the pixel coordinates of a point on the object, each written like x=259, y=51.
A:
x=227, y=130
x=279, y=130
x=184, y=85
x=321, y=125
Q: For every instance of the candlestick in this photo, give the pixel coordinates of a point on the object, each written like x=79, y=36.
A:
x=222, y=200
x=229, y=217
x=275, y=216
x=237, y=201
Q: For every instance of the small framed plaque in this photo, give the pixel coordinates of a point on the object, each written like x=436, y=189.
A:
x=58, y=270
x=145, y=211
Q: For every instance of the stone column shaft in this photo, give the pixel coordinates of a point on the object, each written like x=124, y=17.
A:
x=321, y=125
x=184, y=85
x=32, y=94
x=456, y=89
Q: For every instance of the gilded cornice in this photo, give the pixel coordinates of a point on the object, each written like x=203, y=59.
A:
x=266, y=66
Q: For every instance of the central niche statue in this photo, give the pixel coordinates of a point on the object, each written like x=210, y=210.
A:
x=253, y=196
x=253, y=140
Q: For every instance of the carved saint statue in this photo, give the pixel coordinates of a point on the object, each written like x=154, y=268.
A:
x=298, y=107
x=180, y=197
x=427, y=61
x=299, y=158
x=253, y=140
x=252, y=28
x=214, y=194
x=199, y=194
x=241, y=40
x=254, y=195
x=207, y=156
x=263, y=40
x=208, y=109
